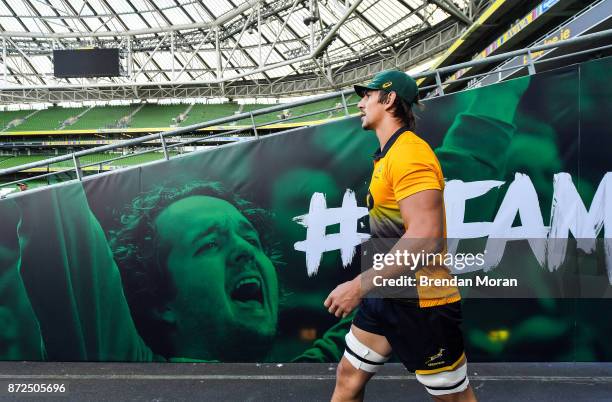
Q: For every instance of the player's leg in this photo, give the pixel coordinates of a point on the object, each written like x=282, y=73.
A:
x=450, y=385
x=429, y=342
x=464, y=396
x=365, y=353
x=443, y=370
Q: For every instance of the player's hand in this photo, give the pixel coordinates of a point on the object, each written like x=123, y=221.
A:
x=344, y=298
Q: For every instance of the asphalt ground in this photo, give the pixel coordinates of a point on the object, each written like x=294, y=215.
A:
x=287, y=382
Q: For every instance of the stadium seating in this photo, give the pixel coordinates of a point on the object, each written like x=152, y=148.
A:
x=203, y=112
x=7, y=162
x=36, y=183
x=154, y=115
x=18, y=160
x=138, y=159
x=48, y=119
x=103, y=117
x=258, y=119
x=326, y=104
x=9, y=116
x=22, y=159
x=157, y=115
x=313, y=107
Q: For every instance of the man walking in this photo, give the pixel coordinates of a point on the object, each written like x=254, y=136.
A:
x=405, y=202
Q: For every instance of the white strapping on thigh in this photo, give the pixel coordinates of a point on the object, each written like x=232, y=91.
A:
x=362, y=357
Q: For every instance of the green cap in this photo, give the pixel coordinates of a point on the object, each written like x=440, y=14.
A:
x=392, y=80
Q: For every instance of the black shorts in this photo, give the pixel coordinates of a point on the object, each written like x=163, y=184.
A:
x=425, y=339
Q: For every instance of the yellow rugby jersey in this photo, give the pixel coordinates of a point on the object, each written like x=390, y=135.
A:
x=405, y=166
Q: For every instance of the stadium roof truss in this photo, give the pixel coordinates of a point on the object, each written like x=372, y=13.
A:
x=220, y=48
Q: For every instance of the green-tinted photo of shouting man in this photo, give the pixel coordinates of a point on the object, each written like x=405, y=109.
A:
x=189, y=275
x=196, y=274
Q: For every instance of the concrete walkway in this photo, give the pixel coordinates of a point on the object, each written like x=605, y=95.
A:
x=293, y=382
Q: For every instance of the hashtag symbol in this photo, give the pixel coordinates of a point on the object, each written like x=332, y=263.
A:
x=318, y=218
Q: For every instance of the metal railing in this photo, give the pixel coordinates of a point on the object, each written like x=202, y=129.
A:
x=495, y=75
x=77, y=167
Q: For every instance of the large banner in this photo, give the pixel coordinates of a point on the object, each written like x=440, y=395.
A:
x=228, y=254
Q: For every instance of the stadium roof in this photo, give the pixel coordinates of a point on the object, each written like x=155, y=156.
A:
x=220, y=43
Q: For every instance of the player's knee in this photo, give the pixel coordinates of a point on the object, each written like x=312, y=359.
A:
x=344, y=369
x=445, y=382
x=345, y=374
x=349, y=381
x=362, y=357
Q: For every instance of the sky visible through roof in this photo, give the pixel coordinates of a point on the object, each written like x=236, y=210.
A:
x=33, y=28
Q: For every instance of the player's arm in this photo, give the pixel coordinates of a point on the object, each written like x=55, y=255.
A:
x=423, y=217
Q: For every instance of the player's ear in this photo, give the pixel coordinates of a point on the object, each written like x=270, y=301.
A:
x=390, y=99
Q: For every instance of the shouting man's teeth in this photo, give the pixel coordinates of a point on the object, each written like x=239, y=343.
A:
x=247, y=281
x=248, y=289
